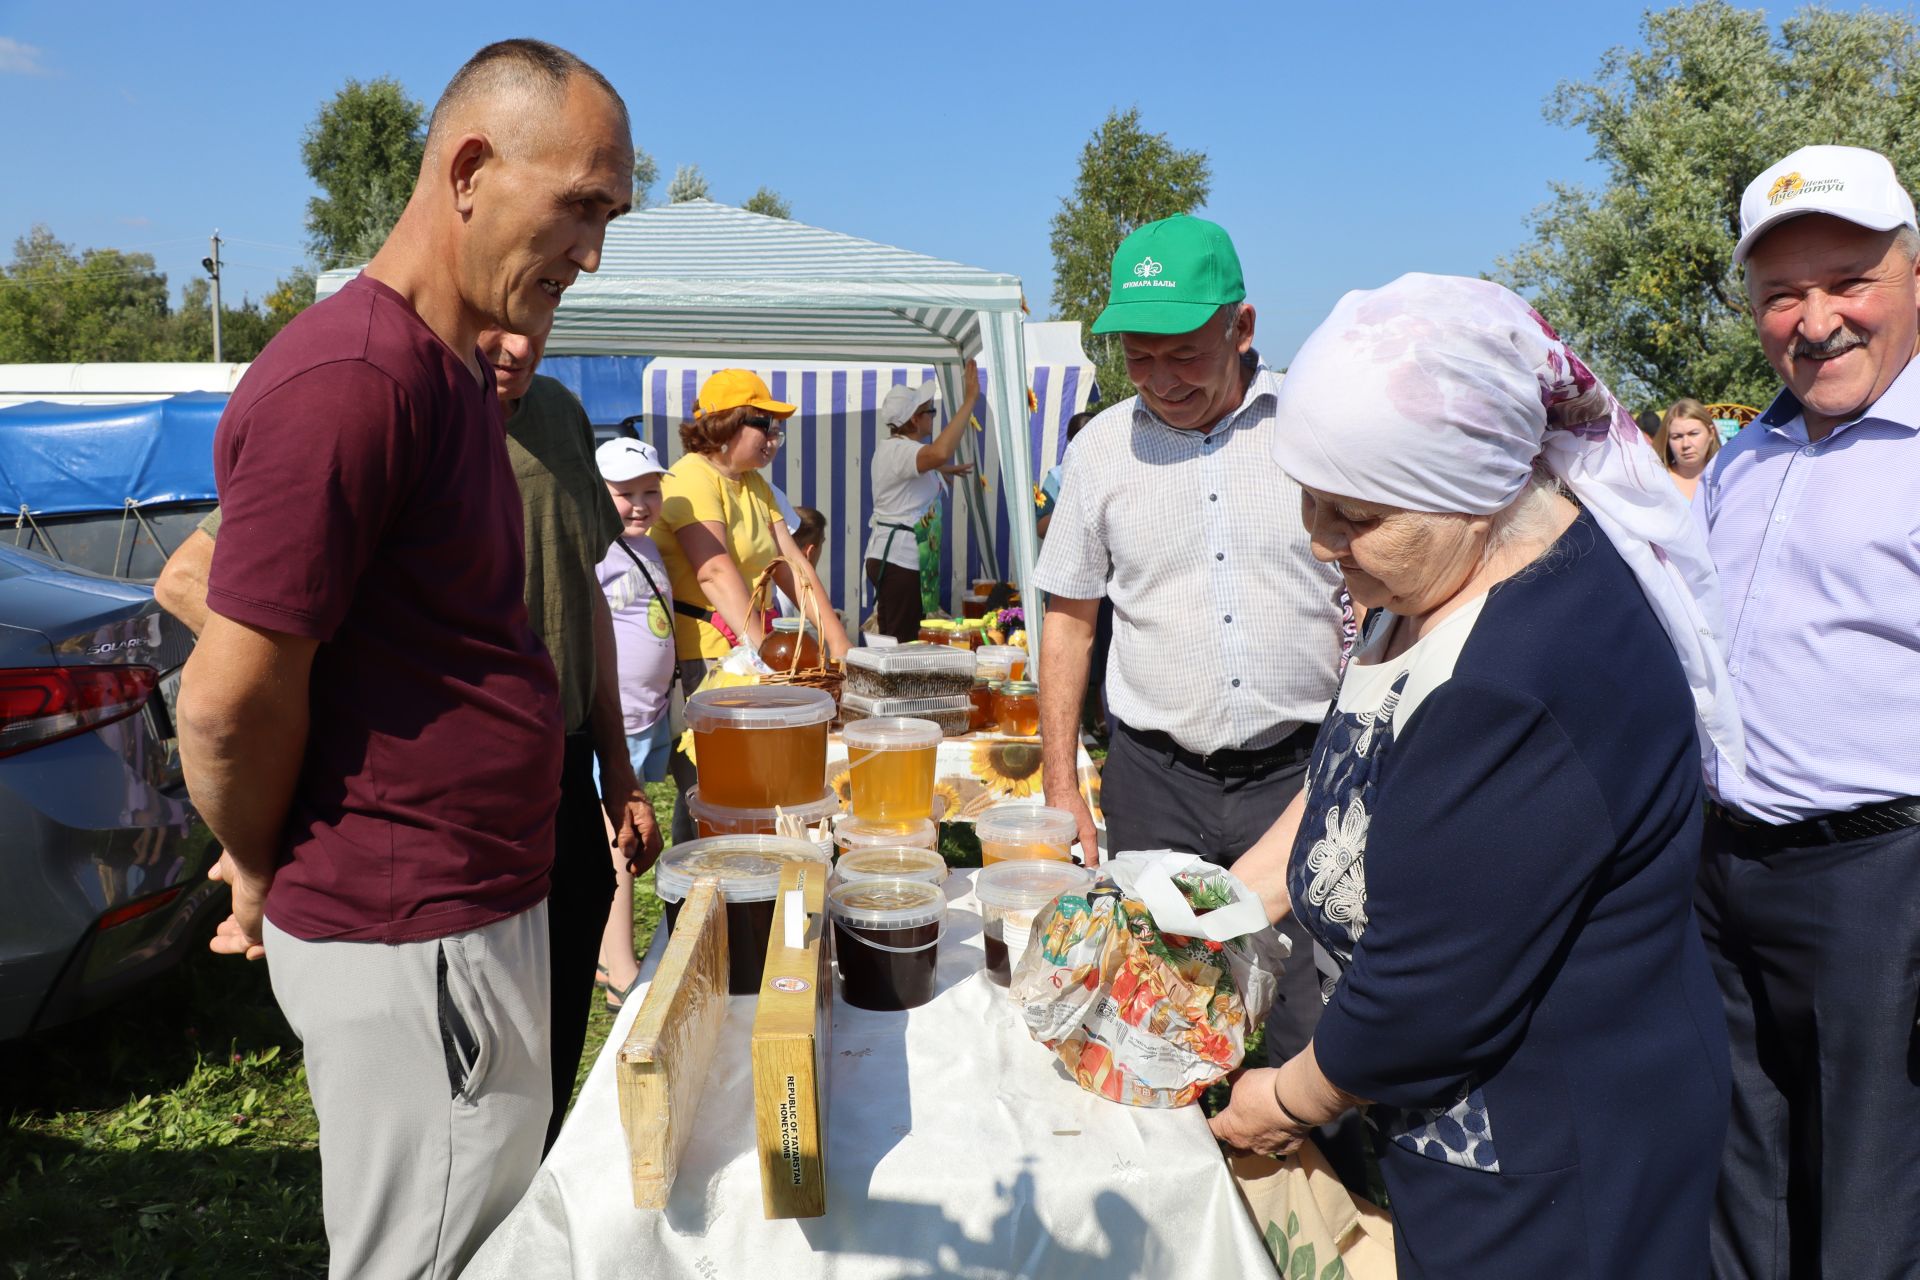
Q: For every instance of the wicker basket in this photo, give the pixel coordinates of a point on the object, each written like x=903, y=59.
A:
x=826, y=676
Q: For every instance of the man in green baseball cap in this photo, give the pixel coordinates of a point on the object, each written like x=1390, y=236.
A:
x=1226, y=631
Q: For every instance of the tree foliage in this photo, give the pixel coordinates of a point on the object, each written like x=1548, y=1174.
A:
x=688, y=184
x=363, y=151
x=646, y=172
x=1638, y=275
x=769, y=202
x=1127, y=177
x=58, y=306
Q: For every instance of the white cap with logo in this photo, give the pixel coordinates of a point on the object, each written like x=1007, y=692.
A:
x=1849, y=183
x=624, y=458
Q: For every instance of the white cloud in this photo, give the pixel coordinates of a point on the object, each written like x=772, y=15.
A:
x=19, y=59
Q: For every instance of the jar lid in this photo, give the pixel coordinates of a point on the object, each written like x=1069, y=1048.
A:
x=862, y=833
x=759, y=706
x=892, y=733
x=1020, y=688
x=887, y=904
x=1027, y=884
x=895, y=862
x=723, y=815
x=747, y=867
x=1018, y=823
x=789, y=625
x=911, y=659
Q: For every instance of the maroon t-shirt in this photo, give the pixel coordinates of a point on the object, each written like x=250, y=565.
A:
x=367, y=502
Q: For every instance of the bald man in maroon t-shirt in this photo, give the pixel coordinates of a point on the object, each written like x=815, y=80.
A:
x=368, y=723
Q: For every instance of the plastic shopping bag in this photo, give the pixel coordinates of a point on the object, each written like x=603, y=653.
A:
x=1146, y=986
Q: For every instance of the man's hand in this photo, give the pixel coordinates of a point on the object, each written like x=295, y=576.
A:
x=1253, y=1120
x=636, y=828
x=1067, y=797
x=240, y=934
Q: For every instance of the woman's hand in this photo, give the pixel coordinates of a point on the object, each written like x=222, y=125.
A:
x=1254, y=1119
x=969, y=385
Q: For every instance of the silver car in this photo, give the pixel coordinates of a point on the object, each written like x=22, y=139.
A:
x=103, y=860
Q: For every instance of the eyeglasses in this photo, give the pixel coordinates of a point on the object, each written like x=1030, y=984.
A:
x=773, y=429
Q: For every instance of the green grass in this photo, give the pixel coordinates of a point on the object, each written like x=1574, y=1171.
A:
x=172, y=1135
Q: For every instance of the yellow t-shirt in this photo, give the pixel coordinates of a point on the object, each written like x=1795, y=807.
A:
x=692, y=492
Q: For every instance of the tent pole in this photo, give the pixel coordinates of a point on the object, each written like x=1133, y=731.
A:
x=1005, y=353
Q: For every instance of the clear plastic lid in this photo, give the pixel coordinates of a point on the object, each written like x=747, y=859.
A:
x=911, y=660
x=758, y=706
x=719, y=815
x=860, y=833
x=887, y=904
x=894, y=733
x=895, y=862
x=1019, y=823
x=1028, y=884
x=866, y=706
x=998, y=657
x=747, y=867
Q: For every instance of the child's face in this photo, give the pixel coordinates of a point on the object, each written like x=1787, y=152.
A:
x=638, y=502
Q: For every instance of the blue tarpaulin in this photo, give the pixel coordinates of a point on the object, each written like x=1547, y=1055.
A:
x=66, y=459
x=610, y=388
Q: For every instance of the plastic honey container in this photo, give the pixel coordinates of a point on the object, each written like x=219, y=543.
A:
x=1011, y=894
x=891, y=763
x=748, y=871
x=999, y=662
x=853, y=834
x=886, y=940
x=1016, y=831
x=897, y=862
x=717, y=820
x=757, y=746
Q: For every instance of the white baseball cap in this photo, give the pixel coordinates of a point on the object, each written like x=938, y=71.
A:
x=624, y=458
x=1850, y=183
x=902, y=402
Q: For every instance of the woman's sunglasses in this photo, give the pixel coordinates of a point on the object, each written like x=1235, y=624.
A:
x=768, y=425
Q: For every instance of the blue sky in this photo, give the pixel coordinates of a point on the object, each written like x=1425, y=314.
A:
x=1349, y=142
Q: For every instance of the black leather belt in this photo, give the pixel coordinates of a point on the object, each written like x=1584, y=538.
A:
x=1829, y=828
x=1290, y=750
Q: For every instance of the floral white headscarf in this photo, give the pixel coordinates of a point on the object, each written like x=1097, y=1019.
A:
x=1437, y=393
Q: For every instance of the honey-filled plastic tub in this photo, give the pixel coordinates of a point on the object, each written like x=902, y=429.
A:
x=760, y=745
x=886, y=941
x=748, y=871
x=891, y=763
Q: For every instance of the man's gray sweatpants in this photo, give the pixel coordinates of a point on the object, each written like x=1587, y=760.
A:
x=428, y=1065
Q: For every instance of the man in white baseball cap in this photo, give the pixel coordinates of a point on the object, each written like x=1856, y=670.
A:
x=905, y=475
x=1809, y=890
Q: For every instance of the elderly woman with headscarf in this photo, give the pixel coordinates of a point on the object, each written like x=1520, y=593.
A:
x=906, y=476
x=1498, y=836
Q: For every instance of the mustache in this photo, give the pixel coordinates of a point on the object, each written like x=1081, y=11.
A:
x=1835, y=343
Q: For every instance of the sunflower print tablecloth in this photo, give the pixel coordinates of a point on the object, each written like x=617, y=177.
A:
x=977, y=771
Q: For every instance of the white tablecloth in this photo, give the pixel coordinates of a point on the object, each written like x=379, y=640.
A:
x=958, y=1148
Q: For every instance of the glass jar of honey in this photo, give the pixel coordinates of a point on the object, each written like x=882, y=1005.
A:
x=982, y=715
x=933, y=630
x=789, y=638
x=1016, y=707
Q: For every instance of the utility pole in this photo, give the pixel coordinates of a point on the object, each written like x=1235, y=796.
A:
x=213, y=269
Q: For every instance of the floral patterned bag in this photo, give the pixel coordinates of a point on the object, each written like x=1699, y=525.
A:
x=1146, y=985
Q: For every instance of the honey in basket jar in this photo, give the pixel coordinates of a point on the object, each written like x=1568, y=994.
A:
x=1016, y=706
x=790, y=636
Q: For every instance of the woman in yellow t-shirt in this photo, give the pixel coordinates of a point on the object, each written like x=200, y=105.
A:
x=719, y=528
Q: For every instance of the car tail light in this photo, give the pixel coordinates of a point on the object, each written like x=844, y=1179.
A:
x=39, y=705
x=132, y=911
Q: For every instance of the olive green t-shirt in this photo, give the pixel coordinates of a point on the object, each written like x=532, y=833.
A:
x=570, y=525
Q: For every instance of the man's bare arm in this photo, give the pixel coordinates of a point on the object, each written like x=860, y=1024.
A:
x=181, y=588
x=243, y=733
x=1065, y=657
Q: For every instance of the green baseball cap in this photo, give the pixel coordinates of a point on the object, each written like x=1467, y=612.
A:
x=1170, y=276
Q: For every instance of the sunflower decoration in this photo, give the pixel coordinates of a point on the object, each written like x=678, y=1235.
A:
x=1011, y=770
x=840, y=779
x=947, y=800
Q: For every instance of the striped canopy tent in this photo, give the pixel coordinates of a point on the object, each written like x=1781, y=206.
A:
x=710, y=282
x=823, y=461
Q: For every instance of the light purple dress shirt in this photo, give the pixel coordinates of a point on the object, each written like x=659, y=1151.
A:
x=1818, y=547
